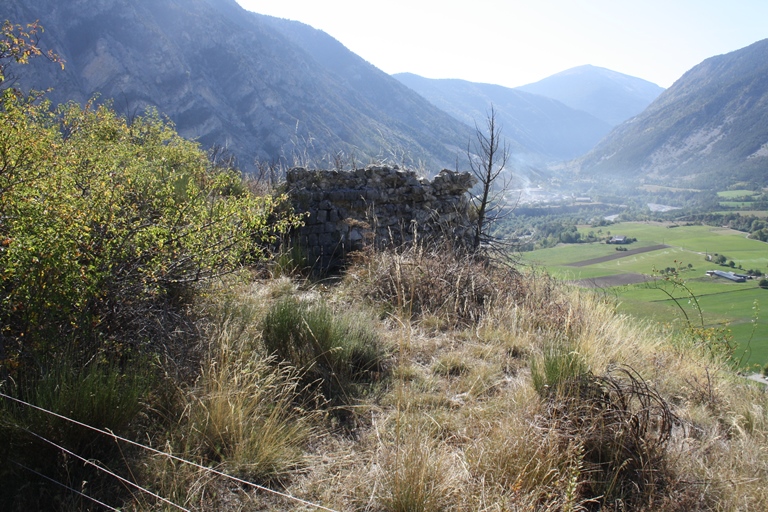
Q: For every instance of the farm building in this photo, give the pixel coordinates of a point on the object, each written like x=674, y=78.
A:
x=620, y=239
x=739, y=278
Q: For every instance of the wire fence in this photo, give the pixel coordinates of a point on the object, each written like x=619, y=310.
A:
x=149, y=449
x=71, y=489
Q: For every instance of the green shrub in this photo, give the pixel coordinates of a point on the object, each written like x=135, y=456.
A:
x=332, y=349
x=763, y=283
x=108, y=225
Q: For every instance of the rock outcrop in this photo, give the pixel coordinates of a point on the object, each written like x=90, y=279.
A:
x=377, y=205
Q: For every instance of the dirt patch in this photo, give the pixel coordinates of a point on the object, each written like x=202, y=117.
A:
x=609, y=281
x=618, y=255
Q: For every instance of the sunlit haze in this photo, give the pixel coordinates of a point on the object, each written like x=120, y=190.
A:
x=516, y=42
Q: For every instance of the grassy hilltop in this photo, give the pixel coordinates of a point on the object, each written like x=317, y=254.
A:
x=475, y=389
x=159, y=351
x=143, y=298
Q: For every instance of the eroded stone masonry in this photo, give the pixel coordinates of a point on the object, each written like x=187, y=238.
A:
x=378, y=205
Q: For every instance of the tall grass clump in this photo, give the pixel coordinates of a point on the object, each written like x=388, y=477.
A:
x=290, y=260
x=418, y=476
x=334, y=351
x=243, y=418
x=102, y=395
x=559, y=366
x=244, y=415
x=432, y=282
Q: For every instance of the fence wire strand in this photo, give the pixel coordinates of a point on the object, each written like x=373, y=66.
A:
x=107, y=471
x=79, y=493
x=164, y=454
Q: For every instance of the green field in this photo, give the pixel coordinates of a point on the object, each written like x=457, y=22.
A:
x=728, y=194
x=736, y=204
x=741, y=307
x=756, y=213
x=747, y=199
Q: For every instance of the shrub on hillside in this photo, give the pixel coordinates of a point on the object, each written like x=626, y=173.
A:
x=107, y=226
x=623, y=427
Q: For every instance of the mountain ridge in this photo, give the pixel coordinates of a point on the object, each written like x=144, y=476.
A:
x=229, y=77
x=606, y=94
x=540, y=129
x=710, y=125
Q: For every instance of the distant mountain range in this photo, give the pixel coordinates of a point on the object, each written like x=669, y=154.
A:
x=709, y=129
x=272, y=89
x=264, y=88
x=555, y=119
x=610, y=96
x=539, y=129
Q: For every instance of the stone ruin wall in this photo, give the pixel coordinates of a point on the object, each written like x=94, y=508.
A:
x=379, y=205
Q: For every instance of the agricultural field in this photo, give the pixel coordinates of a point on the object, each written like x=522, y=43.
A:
x=736, y=193
x=633, y=278
x=739, y=199
x=755, y=213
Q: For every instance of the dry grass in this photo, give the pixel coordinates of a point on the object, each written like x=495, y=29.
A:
x=430, y=283
x=241, y=416
x=458, y=423
x=416, y=473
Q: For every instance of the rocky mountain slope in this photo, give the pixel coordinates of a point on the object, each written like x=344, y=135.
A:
x=547, y=129
x=607, y=95
x=236, y=79
x=710, y=128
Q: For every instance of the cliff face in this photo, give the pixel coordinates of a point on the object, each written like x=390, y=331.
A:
x=232, y=78
x=378, y=205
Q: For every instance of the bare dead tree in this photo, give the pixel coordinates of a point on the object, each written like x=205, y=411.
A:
x=488, y=158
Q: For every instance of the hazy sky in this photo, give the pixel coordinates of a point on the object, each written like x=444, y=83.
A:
x=515, y=42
